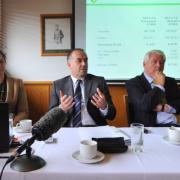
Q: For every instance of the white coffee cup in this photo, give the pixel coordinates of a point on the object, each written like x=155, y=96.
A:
x=25, y=125
x=88, y=149
x=174, y=134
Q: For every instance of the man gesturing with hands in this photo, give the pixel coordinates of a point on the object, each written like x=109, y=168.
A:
x=84, y=97
x=155, y=98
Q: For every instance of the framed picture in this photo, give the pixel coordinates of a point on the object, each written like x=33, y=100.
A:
x=56, y=34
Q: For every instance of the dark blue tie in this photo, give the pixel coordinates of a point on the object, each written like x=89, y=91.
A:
x=76, y=121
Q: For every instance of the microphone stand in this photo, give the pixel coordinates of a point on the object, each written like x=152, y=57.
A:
x=27, y=162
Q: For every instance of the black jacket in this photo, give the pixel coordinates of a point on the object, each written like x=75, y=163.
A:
x=144, y=99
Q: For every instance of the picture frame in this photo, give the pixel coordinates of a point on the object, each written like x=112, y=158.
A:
x=56, y=34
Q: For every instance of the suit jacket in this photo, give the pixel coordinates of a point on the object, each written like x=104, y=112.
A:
x=144, y=99
x=90, y=86
x=16, y=98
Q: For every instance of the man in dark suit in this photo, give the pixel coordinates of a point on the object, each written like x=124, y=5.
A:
x=96, y=103
x=155, y=98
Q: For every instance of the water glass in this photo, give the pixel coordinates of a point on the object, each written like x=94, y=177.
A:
x=137, y=140
x=11, y=117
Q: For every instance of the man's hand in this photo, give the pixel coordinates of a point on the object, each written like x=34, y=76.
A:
x=159, y=78
x=161, y=107
x=99, y=100
x=158, y=108
x=66, y=102
x=166, y=108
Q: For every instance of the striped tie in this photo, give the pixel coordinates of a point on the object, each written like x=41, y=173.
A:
x=76, y=121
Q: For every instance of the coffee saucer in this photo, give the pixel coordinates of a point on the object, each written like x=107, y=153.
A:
x=166, y=138
x=19, y=130
x=99, y=157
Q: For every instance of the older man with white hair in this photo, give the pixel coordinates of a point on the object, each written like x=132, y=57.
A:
x=155, y=98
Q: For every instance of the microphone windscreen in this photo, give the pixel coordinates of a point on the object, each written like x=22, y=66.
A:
x=50, y=123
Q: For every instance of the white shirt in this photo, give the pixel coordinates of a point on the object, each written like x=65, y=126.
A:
x=85, y=116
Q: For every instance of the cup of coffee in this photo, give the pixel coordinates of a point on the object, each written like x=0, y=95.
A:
x=88, y=149
x=25, y=125
x=174, y=134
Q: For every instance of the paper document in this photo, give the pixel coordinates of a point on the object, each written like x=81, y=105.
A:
x=102, y=132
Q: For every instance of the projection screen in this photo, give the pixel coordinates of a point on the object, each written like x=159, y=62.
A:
x=117, y=33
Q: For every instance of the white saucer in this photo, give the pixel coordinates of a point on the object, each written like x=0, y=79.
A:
x=166, y=138
x=19, y=130
x=99, y=157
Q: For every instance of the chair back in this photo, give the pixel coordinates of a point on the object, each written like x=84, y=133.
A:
x=129, y=109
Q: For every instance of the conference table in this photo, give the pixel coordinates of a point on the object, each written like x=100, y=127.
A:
x=159, y=160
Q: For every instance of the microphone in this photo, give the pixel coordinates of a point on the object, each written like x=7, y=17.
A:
x=50, y=123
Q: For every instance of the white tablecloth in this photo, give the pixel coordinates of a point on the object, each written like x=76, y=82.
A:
x=160, y=160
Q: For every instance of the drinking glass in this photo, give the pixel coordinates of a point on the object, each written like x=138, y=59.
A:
x=137, y=140
x=11, y=116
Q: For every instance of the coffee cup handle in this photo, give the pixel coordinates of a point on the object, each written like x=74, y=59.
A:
x=18, y=125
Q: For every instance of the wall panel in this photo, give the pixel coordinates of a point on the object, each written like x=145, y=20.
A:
x=38, y=94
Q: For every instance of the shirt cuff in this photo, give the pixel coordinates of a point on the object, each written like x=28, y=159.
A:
x=159, y=86
x=171, y=110
x=104, y=111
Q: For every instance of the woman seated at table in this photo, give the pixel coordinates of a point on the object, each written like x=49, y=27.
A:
x=12, y=91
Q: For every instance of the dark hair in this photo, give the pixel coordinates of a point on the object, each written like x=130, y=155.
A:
x=3, y=56
x=76, y=49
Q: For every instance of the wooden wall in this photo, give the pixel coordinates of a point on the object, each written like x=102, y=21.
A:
x=38, y=94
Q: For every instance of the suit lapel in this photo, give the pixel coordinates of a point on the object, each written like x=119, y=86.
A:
x=87, y=88
x=68, y=87
x=10, y=89
x=145, y=83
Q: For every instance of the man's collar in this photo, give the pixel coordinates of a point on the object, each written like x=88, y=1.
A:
x=75, y=79
x=148, y=78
